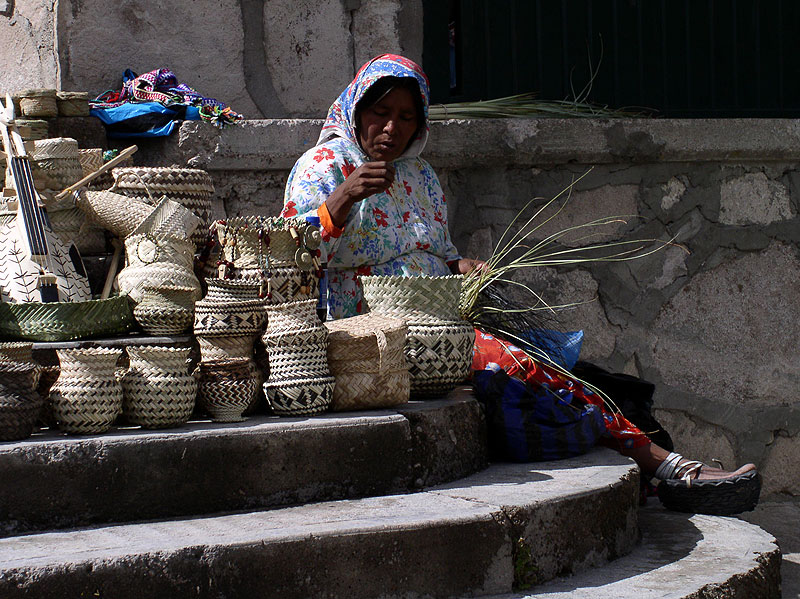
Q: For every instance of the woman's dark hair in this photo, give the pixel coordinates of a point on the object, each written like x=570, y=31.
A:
x=383, y=86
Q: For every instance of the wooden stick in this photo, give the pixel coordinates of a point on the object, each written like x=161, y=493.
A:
x=112, y=268
x=107, y=166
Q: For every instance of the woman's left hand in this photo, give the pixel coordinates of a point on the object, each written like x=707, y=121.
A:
x=465, y=266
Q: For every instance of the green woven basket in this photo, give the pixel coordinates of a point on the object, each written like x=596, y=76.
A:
x=64, y=321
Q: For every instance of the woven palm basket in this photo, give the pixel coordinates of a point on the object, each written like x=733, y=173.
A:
x=291, y=284
x=439, y=345
x=55, y=162
x=297, y=361
x=229, y=318
x=19, y=411
x=227, y=389
x=20, y=352
x=64, y=321
x=38, y=103
x=113, y=212
x=144, y=248
x=87, y=397
x=228, y=290
x=221, y=347
x=267, y=242
x=414, y=299
x=134, y=279
x=32, y=129
x=292, y=316
x=191, y=188
x=366, y=356
x=158, y=391
x=439, y=356
x=167, y=310
x=72, y=103
x=299, y=397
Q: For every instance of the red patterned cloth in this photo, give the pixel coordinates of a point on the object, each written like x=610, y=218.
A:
x=493, y=353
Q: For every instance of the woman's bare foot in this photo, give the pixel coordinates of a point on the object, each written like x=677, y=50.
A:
x=652, y=458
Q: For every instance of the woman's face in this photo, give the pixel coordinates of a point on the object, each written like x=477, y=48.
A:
x=386, y=127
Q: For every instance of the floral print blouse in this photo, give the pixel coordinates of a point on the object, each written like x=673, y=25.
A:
x=402, y=231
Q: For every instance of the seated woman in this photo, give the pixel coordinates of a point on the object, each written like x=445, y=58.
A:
x=382, y=212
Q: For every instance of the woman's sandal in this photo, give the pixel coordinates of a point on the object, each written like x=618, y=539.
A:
x=681, y=490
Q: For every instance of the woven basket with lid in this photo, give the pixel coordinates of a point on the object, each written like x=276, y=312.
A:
x=366, y=356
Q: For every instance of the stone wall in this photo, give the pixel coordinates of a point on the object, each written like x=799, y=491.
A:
x=276, y=58
x=712, y=318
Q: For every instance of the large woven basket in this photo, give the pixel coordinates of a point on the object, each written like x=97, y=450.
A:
x=227, y=388
x=63, y=321
x=268, y=242
x=192, y=188
x=439, y=356
x=158, y=390
x=366, y=356
x=300, y=397
x=414, y=299
x=439, y=345
x=19, y=411
x=87, y=397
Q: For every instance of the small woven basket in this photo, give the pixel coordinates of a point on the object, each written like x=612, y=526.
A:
x=64, y=321
x=19, y=411
x=218, y=347
x=167, y=310
x=299, y=397
x=113, y=211
x=20, y=352
x=133, y=279
x=19, y=376
x=38, y=103
x=439, y=356
x=227, y=389
x=32, y=129
x=142, y=249
x=87, y=397
x=227, y=290
x=292, y=316
x=72, y=103
x=366, y=356
x=158, y=390
x=298, y=361
x=311, y=335
x=291, y=284
x=229, y=318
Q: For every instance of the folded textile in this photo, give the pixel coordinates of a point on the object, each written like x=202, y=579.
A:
x=150, y=105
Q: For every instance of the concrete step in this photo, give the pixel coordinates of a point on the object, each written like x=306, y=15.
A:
x=469, y=537
x=55, y=481
x=681, y=556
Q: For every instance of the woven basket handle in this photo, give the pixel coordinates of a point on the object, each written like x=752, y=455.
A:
x=381, y=349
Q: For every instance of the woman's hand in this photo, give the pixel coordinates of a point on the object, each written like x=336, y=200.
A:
x=465, y=266
x=367, y=180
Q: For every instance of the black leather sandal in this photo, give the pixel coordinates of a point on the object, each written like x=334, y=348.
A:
x=680, y=489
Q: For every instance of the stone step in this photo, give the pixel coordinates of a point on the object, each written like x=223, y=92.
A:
x=469, y=537
x=681, y=556
x=55, y=481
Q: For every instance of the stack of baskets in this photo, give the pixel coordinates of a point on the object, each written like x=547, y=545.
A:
x=299, y=381
x=226, y=324
x=439, y=344
x=366, y=357
x=20, y=404
x=158, y=251
x=192, y=188
x=280, y=256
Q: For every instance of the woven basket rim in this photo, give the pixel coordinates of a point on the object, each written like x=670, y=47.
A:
x=305, y=381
